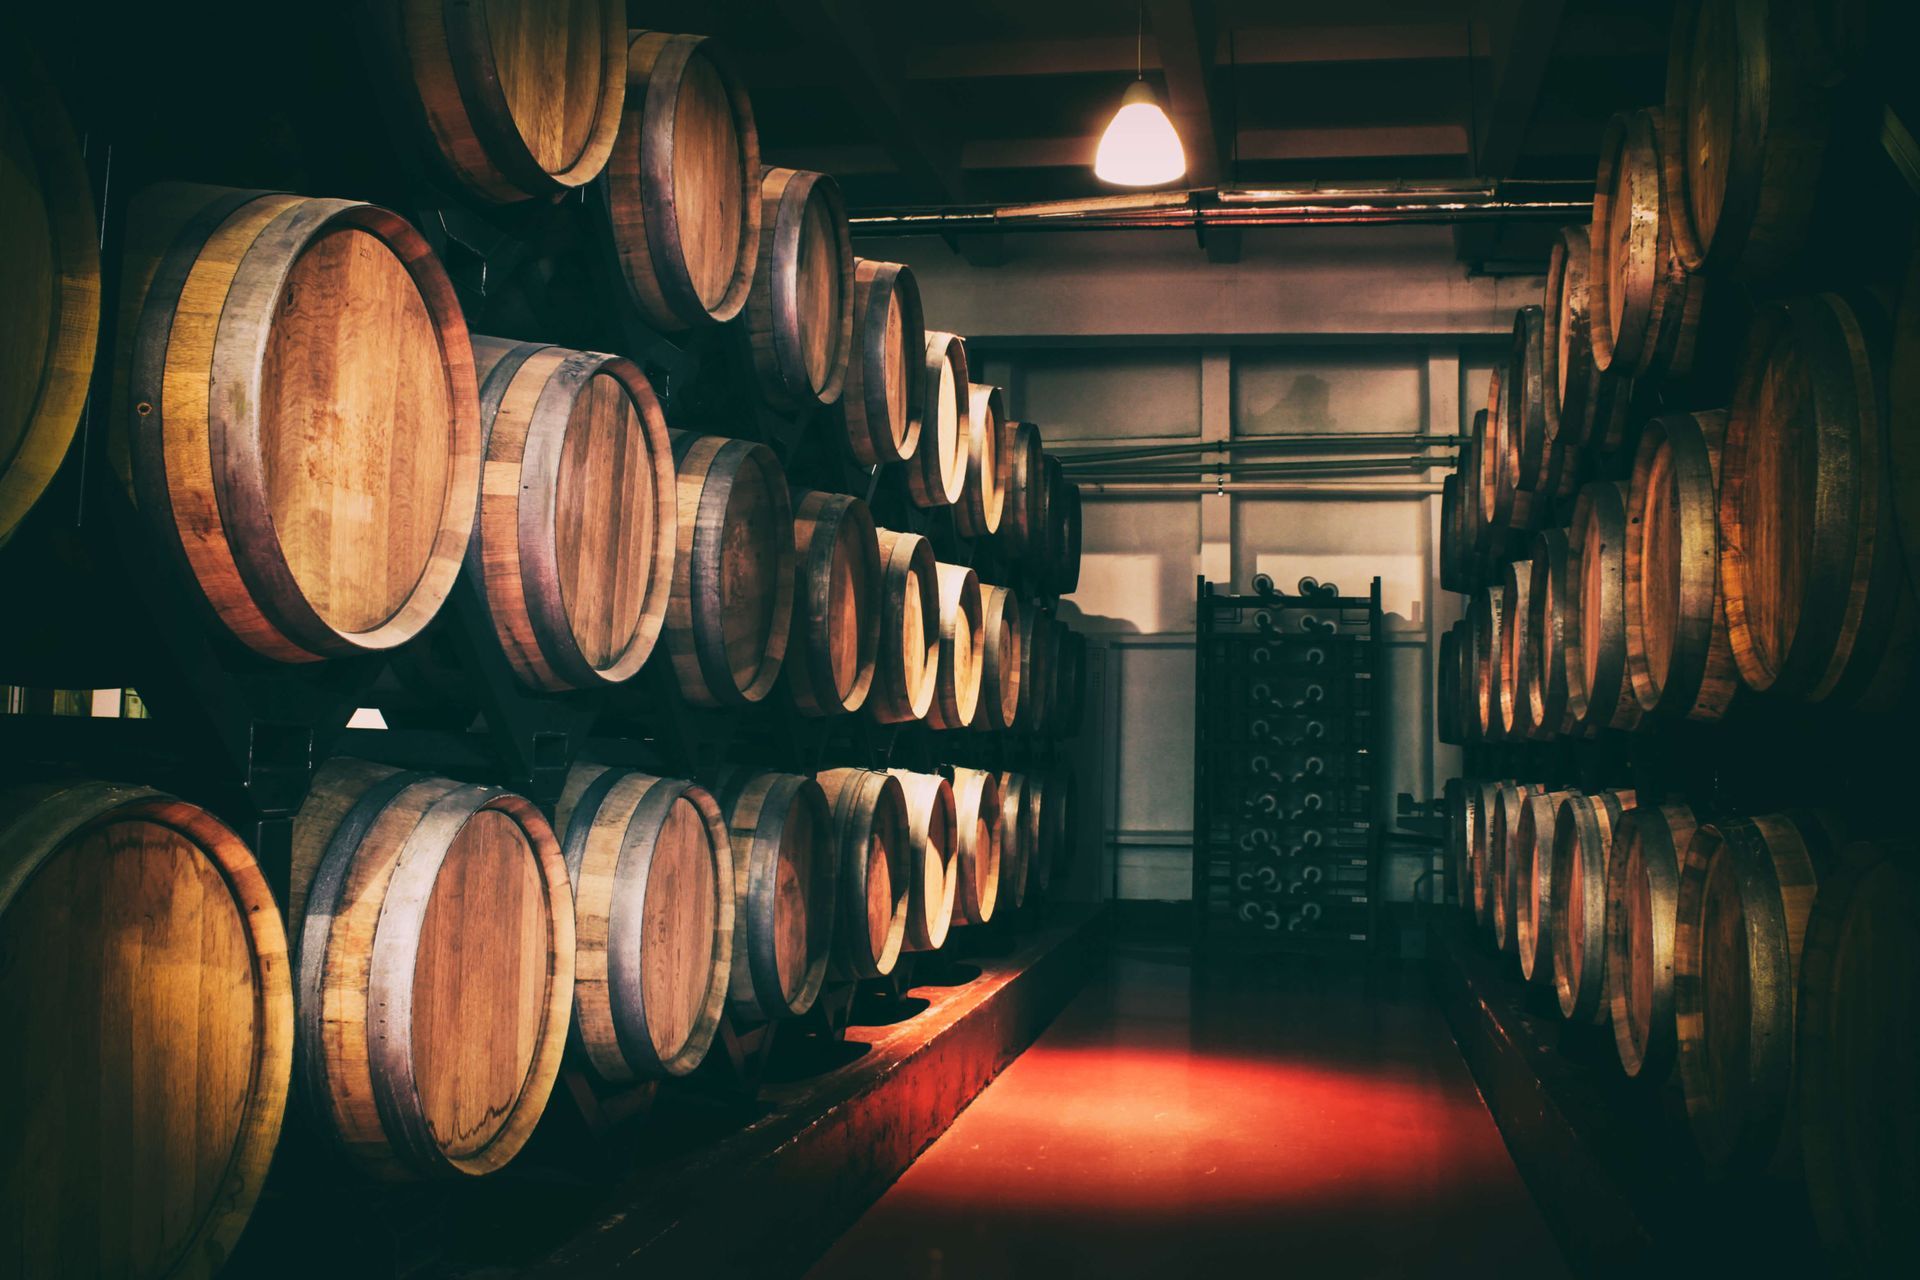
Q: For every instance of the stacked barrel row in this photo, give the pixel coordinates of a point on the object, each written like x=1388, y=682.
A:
x=323, y=455
x=1692, y=496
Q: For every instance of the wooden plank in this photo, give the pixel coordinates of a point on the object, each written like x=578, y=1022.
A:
x=1520, y=39
x=1183, y=33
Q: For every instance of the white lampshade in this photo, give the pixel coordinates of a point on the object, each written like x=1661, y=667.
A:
x=1140, y=147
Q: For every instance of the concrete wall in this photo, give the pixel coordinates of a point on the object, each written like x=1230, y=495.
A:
x=1131, y=337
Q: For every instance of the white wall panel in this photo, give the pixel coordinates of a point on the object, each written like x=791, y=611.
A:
x=1138, y=564
x=1298, y=390
x=1123, y=394
x=1345, y=542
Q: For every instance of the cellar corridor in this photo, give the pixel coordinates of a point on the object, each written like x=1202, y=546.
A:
x=1174, y=1123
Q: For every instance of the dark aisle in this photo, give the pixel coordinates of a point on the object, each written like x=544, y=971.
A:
x=1307, y=1122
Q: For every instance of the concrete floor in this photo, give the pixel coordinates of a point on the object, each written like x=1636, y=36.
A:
x=1309, y=1121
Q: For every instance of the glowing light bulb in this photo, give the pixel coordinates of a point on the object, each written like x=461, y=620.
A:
x=1140, y=147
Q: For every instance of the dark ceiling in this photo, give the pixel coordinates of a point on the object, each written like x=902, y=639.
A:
x=993, y=101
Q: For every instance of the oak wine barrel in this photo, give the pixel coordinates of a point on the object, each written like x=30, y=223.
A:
x=1534, y=463
x=1530, y=884
x=1516, y=657
x=1503, y=859
x=1022, y=522
x=786, y=879
x=733, y=573
x=1063, y=531
x=1016, y=839
x=653, y=900
x=1857, y=1039
x=1903, y=422
x=933, y=873
x=836, y=616
x=51, y=282
x=1462, y=798
x=435, y=964
x=977, y=820
x=1070, y=683
x=1643, y=899
x=513, y=98
x=1745, y=132
x=573, y=548
x=1645, y=303
x=937, y=472
x=1816, y=604
x=302, y=425
x=1489, y=614
x=885, y=403
x=875, y=849
x=1599, y=693
x=145, y=988
x=1583, y=835
x=1746, y=889
x=1002, y=620
x=983, y=498
x=680, y=195
x=1586, y=408
x=1505, y=502
x=1679, y=658
x=1480, y=853
x=1446, y=702
x=957, y=683
x=907, y=674
x=1549, y=613
x=1055, y=800
x=800, y=308
x=1037, y=642
x=1454, y=571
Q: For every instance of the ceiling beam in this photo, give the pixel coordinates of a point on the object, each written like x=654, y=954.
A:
x=842, y=42
x=1183, y=33
x=1521, y=35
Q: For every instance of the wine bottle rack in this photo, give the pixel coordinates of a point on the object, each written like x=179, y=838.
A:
x=1287, y=768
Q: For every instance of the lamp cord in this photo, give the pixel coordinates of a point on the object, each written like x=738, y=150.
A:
x=1140, y=41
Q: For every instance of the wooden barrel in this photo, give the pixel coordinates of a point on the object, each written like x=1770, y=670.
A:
x=1643, y=898
x=1462, y=800
x=1022, y=526
x=1517, y=656
x=1856, y=1043
x=983, y=498
x=435, y=965
x=574, y=545
x=800, y=309
x=870, y=829
x=1016, y=838
x=146, y=992
x=836, y=618
x=512, y=99
x=1037, y=647
x=1505, y=500
x=1745, y=132
x=1503, y=859
x=1454, y=571
x=1586, y=408
x=908, y=671
x=1488, y=614
x=1746, y=889
x=653, y=902
x=1599, y=694
x=937, y=472
x=1479, y=899
x=1550, y=610
x=1063, y=539
x=956, y=686
x=1446, y=700
x=786, y=879
x=1645, y=303
x=1809, y=564
x=977, y=820
x=681, y=184
x=1679, y=658
x=733, y=573
x=1583, y=834
x=53, y=282
x=933, y=872
x=1530, y=884
x=1000, y=666
x=311, y=532
x=1055, y=799
x=885, y=403
x=1533, y=466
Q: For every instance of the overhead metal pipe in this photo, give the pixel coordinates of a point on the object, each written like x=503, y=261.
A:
x=1339, y=440
x=1269, y=488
